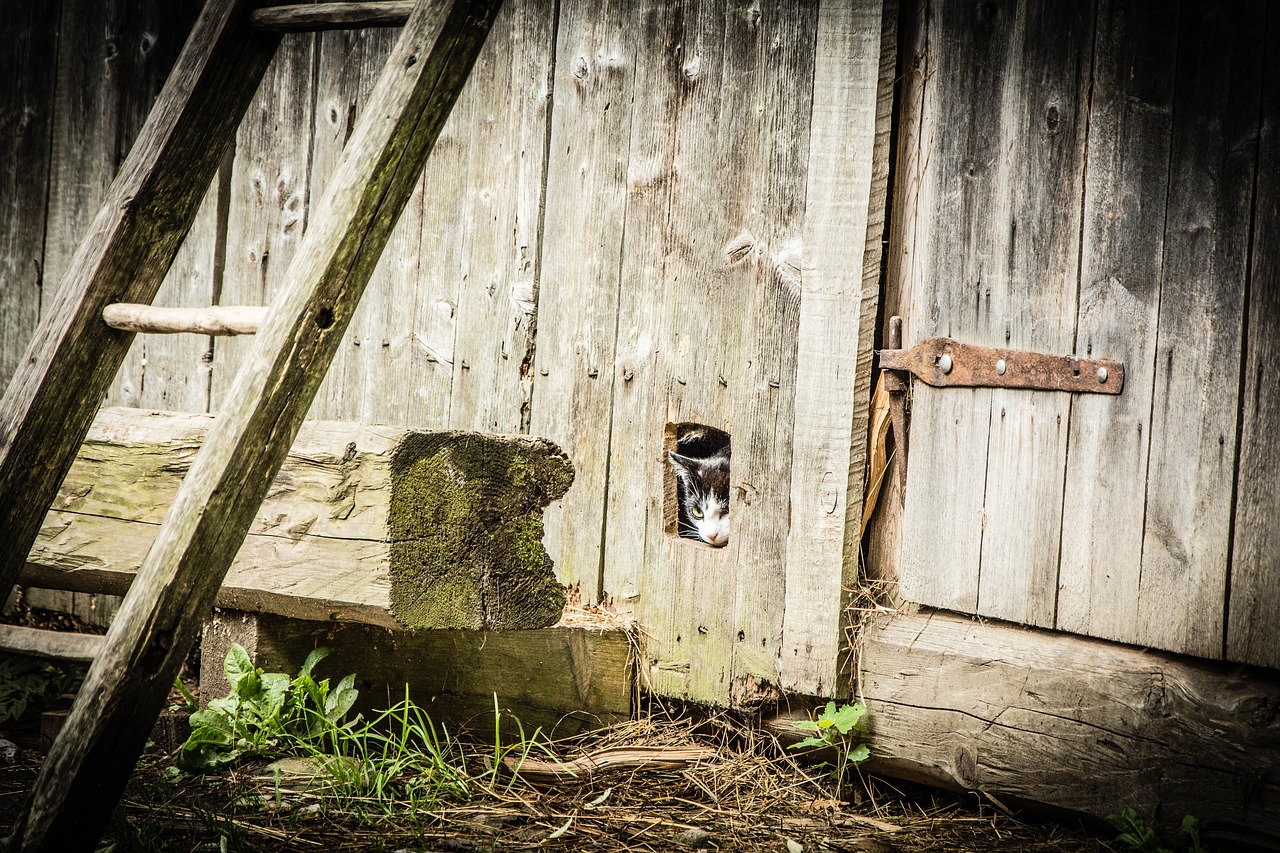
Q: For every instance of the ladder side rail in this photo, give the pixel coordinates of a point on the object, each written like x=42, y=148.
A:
x=90, y=762
x=73, y=356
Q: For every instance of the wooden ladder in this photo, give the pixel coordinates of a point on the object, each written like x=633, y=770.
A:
x=74, y=355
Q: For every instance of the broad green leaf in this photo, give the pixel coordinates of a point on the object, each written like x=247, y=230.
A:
x=237, y=665
x=848, y=716
x=341, y=699
x=806, y=725
x=317, y=655
x=860, y=753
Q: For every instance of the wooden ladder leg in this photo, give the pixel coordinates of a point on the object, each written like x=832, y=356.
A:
x=73, y=356
x=91, y=761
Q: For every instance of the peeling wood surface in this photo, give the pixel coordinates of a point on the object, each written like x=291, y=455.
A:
x=1076, y=723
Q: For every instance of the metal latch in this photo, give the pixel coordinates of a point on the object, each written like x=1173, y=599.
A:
x=942, y=362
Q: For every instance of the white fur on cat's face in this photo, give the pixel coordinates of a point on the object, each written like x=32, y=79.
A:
x=713, y=526
x=703, y=497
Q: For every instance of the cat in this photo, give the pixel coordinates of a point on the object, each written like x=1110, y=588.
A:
x=701, y=466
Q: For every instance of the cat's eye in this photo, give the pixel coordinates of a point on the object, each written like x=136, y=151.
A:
x=696, y=513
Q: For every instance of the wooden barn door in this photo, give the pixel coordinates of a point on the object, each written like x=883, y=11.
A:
x=1097, y=179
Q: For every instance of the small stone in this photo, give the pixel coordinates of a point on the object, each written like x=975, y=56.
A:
x=8, y=752
x=694, y=838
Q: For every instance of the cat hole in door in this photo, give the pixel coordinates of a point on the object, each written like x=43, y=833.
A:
x=695, y=500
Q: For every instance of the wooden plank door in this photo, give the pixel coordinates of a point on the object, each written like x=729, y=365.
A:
x=1086, y=180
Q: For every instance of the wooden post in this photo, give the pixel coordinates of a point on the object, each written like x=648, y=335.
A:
x=89, y=765
x=73, y=356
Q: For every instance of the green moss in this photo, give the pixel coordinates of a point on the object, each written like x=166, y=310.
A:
x=466, y=528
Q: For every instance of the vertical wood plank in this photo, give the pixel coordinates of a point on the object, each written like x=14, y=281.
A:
x=709, y=330
x=1253, y=632
x=506, y=136
x=1181, y=598
x=1126, y=186
x=1011, y=95
x=849, y=136
x=29, y=30
x=581, y=273
x=269, y=186
x=112, y=59
x=368, y=381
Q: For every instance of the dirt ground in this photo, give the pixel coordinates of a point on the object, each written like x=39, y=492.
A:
x=747, y=796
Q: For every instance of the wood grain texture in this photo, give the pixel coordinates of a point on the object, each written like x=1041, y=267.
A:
x=73, y=355
x=112, y=61
x=1000, y=270
x=503, y=118
x=29, y=31
x=1253, y=633
x=172, y=372
x=564, y=679
x=212, y=512
x=844, y=200
x=586, y=197
x=268, y=197
x=369, y=380
x=51, y=645
x=331, y=16
x=884, y=556
x=158, y=319
x=708, y=325
x=1190, y=471
x=383, y=525
x=1125, y=192
x=1074, y=723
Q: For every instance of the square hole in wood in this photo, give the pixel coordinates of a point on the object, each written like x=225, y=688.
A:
x=695, y=499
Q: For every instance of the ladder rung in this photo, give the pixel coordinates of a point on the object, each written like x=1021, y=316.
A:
x=53, y=645
x=214, y=320
x=309, y=17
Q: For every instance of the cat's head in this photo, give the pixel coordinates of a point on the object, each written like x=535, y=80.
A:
x=704, y=496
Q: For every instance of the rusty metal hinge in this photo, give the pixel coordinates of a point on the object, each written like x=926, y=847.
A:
x=942, y=362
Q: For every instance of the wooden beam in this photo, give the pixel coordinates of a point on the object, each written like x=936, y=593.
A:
x=87, y=768
x=1074, y=723
x=384, y=525
x=53, y=645
x=572, y=676
x=156, y=319
x=332, y=16
x=73, y=356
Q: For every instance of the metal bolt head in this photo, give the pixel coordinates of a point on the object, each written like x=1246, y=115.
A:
x=1102, y=375
x=944, y=363
x=1000, y=367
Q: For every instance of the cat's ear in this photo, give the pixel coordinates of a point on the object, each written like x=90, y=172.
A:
x=684, y=466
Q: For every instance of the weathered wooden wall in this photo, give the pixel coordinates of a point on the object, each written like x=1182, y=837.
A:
x=1098, y=179
x=638, y=213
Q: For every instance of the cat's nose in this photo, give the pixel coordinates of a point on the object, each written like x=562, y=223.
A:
x=711, y=537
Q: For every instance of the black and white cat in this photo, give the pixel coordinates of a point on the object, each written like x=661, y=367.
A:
x=701, y=466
